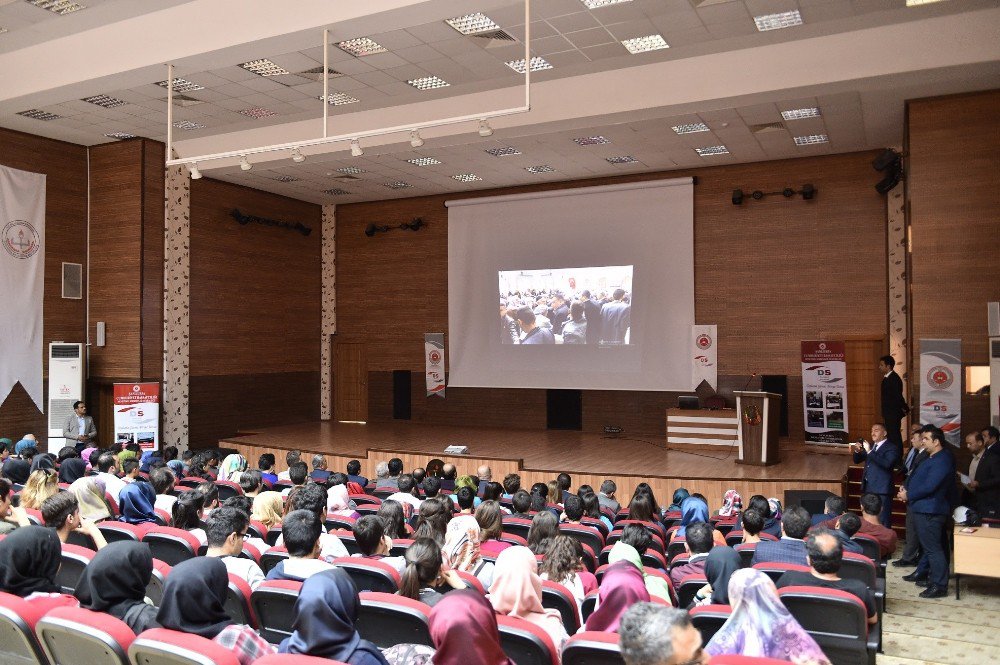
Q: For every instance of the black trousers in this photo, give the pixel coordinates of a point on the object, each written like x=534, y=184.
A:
x=931, y=530
x=892, y=425
x=912, y=551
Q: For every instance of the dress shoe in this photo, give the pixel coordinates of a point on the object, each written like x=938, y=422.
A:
x=903, y=563
x=923, y=583
x=914, y=577
x=934, y=591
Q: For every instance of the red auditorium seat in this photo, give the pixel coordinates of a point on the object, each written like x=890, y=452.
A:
x=653, y=559
x=386, y=619
x=688, y=588
x=74, y=560
x=837, y=620
x=228, y=489
x=585, y=535
x=679, y=560
x=18, y=619
x=869, y=546
x=237, y=604
x=171, y=545
x=294, y=659
x=775, y=570
x=592, y=648
x=597, y=524
x=399, y=546
x=472, y=581
x=274, y=604
x=271, y=557
x=81, y=540
x=513, y=539
x=35, y=516
x=162, y=517
x=347, y=538
x=745, y=660
x=365, y=499
x=256, y=530
x=588, y=605
x=616, y=535
x=160, y=646
x=272, y=535
x=370, y=574
x=334, y=522
x=676, y=546
x=525, y=643
x=746, y=552
x=190, y=483
x=154, y=590
x=384, y=493
x=115, y=531
x=74, y=635
x=557, y=597
x=517, y=526
x=708, y=619
x=367, y=509
x=734, y=537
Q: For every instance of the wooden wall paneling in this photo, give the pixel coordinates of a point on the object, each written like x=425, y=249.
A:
x=863, y=385
x=350, y=382
x=151, y=342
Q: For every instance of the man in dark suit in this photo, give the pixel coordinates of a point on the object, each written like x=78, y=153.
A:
x=616, y=317
x=894, y=405
x=880, y=458
x=986, y=483
x=917, y=455
x=795, y=523
x=592, y=312
x=929, y=496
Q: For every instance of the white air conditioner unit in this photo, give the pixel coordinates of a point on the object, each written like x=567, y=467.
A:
x=66, y=382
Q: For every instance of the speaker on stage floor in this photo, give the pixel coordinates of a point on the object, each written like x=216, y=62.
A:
x=401, y=394
x=564, y=409
x=812, y=500
x=778, y=383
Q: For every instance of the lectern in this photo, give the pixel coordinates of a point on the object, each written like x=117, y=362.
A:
x=759, y=413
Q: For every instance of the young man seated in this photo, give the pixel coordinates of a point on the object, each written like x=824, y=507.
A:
x=62, y=513
x=298, y=473
x=698, y=541
x=162, y=480
x=572, y=509
x=521, y=505
x=847, y=525
x=354, y=473
x=301, y=530
x=753, y=522
x=251, y=482
x=833, y=507
x=795, y=522
x=313, y=497
x=226, y=528
x=431, y=486
x=369, y=533
x=130, y=470
x=465, y=497
x=407, y=492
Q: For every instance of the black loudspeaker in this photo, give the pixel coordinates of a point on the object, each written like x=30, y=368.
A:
x=812, y=500
x=401, y=394
x=564, y=409
x=778, y=383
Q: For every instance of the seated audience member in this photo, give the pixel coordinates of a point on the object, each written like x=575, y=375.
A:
x=772, y=524
x=390, y=513
x=871, y=508
x=554, y=493
x=136, y=504
x=825, y=557
x=643, y=508
x=466, y=499
x=210, y=491
x=563, y=564
x=391, y=481
x=130, y=470
x=267, y=509
x=203, y=464
x=732, y=505
x=572, y=509
x=564, y=481
x=369, y=534
x=698, y=543
x=251, y=482
x=187, y=457
x=338, y=502
x=720, y=565
x=72, y=469
x=244, y=504
x=266, y=464
x=760, y=626
x=115, y=581
x=517, y=591
x=490, y=520
x=194, y=598
x=606, y=496
x=29, y=560
x=300, y=530
x=298, y=474
x=424, y=578
x=695, y=510
x=62, y=513
x=448, y=475
x=325, y=613
x=521, y=505
x=226, y=528
x=791, y=548
x=833, y=507
x=418, y=474
x=17, y=469
x=354, y=473
x=291, y=457
x=431, y=485
x=632, y=545
x=544, y=527
x=485, y=475
x=11, y=517
x=407, y=491
x=187, y=513
x=89, y=493
x=319, y=474
x=844, y=529
x=651, y=634
x=621, y=587
x=162, y=480
x=312, y=497
x=41, y=484
x=435, y=467
x=753, y=522
x=511, y=484
x=382, y=476
x=592, y=509
x=492, y=492
x=461, y=549
x=539, y=501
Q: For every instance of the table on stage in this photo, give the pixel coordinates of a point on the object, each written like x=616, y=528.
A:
x=976, y=553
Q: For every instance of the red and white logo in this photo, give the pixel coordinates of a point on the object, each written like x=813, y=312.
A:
x=704, y=341
x=435, y=357
x=136, y=389
x=822, y=346
x=20, y=239
x=940, y=377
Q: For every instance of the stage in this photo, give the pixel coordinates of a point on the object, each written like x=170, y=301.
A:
x=540, y=455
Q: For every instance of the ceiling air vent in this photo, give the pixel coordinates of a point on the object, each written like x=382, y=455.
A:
x=316, y=73
x=767, y=128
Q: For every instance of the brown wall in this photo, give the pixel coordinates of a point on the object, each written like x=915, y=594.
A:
x=65, y=167
x=770, y=274
x=255, y=312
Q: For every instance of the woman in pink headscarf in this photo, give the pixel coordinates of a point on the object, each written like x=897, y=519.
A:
x=622, y=587
x=337, y=502
x=517, y=591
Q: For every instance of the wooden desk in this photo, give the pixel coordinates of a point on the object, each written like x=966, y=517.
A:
x=702, y=429
x=976, y=553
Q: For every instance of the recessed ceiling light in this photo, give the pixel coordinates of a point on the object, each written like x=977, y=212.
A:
x=798, y=114
x=285, y=178
x=188, y=125
x=424, y=161
x=316, y=73
x=105, y=101
x=121, y=136
x=257, y=112
x=544, y=168
x=429, y=83
x=472, y=24
x=645, y=44
x=361, y=47
x=398, y=184
x=61, y=7
x=591, y=140
x=264, y=67
x=339, y=99
x=812, y=139
x=181, y=85
x=466, y=177
x=336, y=192
x=537, y=65
x=624, y=159
x=37, y=114
x=690, y=128
x=712, y=150
x=597, y=4
x=778, y=21
x=352, y=170
x=505, y=151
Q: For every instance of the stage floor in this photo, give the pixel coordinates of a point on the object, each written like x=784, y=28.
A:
x=549, y=451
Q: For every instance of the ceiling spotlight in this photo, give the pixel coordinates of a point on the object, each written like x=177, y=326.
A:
x=245, y=163
x=297, y=156
x=415, y=139
x=195, y=173
x=356, y=150
x=485, y=129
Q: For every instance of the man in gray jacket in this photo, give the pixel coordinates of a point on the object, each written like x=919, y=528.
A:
x=80, y=427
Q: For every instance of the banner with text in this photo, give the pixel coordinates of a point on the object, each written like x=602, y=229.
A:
x=137, y=414
x=704, y=356
x=434, y=363
x=941, y=386
x=824, y=391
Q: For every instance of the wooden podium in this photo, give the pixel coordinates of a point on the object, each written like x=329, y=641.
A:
x=759, y=414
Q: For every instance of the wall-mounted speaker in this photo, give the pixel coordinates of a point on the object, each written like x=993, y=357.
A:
x=401, y=407
x=778, y=383
x=72, y=281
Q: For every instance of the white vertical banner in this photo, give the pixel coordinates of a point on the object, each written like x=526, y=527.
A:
x=824, y=391
x=704, y=356
x=941, y=386
x=22, y=281
x=434, y=363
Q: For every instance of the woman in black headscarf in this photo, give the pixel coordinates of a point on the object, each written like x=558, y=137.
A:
x=115, y=582
x=720, y=565
x=42, y=461
x=29, y=561
x=17, y=470
x=71, y=470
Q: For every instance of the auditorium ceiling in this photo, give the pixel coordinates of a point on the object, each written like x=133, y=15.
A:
x=726, y=81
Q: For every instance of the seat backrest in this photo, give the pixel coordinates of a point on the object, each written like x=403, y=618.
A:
x=597, y=524
x=161, y=646
x=237, y=603
x=592, y=648
x=746, y=552
x=585, y=535
x=688, y=588
x=154, y=590
x=708, y=619
x=334, y=522
x=347, y=538
x=837, y=620
x=294, y=659
x=74, y=562
x=274, y=604
x=676, y=546
x=858, y=567
x=386, y=619
x=734, y=537
x=171, y=545
x=370, y=574
x=228, y=489
x=472, y=581
x=272, y=557
x=557, y=597
x=81, y=540
x=76, y=635
x=869, y=546
x=513, y=539
x=362, y=499
x=525, y=643
x=272, y=535
x=18, y=643
x=653, y=559
x=115, y=531
x=517, y=526
x=257, y=529
x=588, y=605
x=775, y=569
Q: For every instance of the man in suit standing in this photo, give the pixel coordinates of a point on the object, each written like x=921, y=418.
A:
x=591, y=312
x=880, y=458
x=928, y=493
x=912, y=552
x=80, y=427
x=894, y=405
x=986, y=479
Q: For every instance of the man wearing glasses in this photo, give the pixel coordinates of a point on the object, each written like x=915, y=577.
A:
x=652, y=634
x=225, y=528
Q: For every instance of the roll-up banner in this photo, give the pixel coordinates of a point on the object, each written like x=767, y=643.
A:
x=434, y=363
x=941, y=386
x=824, y=391
x=704, y=356
x=137, y=414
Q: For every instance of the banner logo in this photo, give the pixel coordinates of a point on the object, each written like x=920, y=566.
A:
x=435, y=357
x=704, y=342
x=940, y=377
x=20, y=239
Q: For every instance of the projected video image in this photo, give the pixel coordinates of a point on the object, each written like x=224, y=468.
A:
x=566, y=306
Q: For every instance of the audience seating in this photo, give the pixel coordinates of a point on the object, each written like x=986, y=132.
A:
x=688, y=588
x=775, y=570
x=472, y=581
x=271, y=557
x=367, y=509
x=708, y=619
x=734, y=537
x=517, y=526
x=859, y=567
x=837, y=620
x=171, y=545
x=365, y=499
x=588, y=605
x=370, y=574
x=161, y=646
x=597, y=524
x=115, y=531
x=347, y=538
x=294, y=659
x=653, y=559
x=616, y=535
x=399, y=546
x=273, y=602
x=676, y=546
x=386, y=619
x=237, y=604
x=334, y=522
x=154, y=590
x=34, y=516
x=586, y=535
x=112, y=505
x=162, y=517
x=272, y=535
x=189, y=483
x=746, y=552
x=592, y=648
x=81, y=540
x=18, y=643
x=257, y=530
x=74, y=561
x=73, y=635
x=525, y=643
x=228, y=489
x=513, y=539
x=869, y=546
x=557, y=597
x=384, y=493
